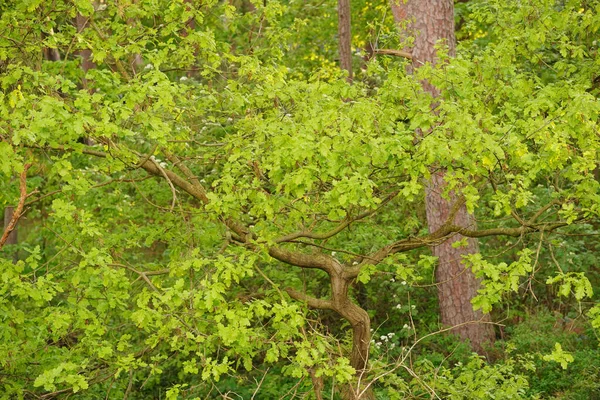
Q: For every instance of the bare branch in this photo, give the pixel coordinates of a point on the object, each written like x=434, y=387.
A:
x=92, y=187
x=542, y=210
x=164, y=174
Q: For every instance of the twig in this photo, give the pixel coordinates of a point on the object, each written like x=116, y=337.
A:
x=275, y=286
x=259, y=384
x=164, y=174
x=400, y=361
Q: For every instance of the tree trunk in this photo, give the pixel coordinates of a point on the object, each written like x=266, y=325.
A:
x=345, y=36
x=361, y=338
x=432, y=21
x=457, y=284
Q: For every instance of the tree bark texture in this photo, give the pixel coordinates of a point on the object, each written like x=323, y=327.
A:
x=361, y=336
x=433, y=21
x=8, y=215
x=456, y=283
x=12, y=214
x=9, y=211
x=345, y=36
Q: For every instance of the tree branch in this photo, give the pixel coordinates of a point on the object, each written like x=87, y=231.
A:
x=183, y=168
x=311, y=301
x=322, y=262
x=316, y=261
x=17, y=214
x=337, y=229
x=542, y=210
x=442, y=234
x=391, y=52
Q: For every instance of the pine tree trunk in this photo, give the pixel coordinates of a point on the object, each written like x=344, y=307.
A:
x=432, y=21
x=457, y=284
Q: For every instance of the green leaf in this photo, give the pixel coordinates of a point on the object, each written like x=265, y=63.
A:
x=560, y=356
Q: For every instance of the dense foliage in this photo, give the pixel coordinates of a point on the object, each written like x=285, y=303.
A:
x=211, y=208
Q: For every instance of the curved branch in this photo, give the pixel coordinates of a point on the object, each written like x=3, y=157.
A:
x=183, y=168
x=316, y=261
x=313, y=302
x=320, y=236
x=302, y=260
x=164, y=174
x=19, y=210
x=542, y=210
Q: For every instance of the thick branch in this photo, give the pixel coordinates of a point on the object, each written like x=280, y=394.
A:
x=391, y=52
x=183, y=168
x=197, y=192
x=311, y=301
x=302, y=260
x=317, y=261
x=17, y=214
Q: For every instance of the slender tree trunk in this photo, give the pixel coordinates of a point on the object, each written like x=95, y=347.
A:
x=8, y=214
x=432, y=21
x=345, y=36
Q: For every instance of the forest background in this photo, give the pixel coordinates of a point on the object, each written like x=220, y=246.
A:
x=299, y=199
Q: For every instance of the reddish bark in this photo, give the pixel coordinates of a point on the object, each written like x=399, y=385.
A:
x=457, y=284
x=433, y=21
x=10, y=235
x=12, y=215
